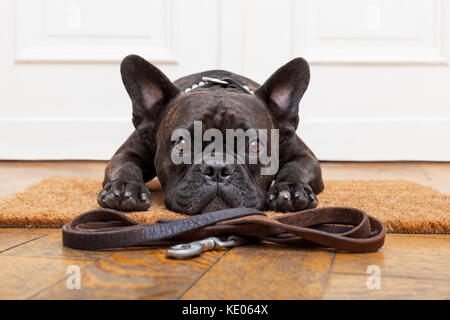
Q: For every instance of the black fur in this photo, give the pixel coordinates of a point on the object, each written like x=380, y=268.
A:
x=159, y=107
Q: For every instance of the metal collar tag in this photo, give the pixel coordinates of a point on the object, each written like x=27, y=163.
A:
x=224, y=82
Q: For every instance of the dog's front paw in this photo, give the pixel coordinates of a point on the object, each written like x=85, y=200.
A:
x=125, y=196
x=291, y=196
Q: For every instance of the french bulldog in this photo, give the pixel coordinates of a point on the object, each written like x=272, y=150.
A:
x=161, y=106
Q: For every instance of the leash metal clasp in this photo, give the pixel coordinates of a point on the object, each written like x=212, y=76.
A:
x=195, y=248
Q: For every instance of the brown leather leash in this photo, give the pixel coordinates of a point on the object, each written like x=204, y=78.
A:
x=341, y=228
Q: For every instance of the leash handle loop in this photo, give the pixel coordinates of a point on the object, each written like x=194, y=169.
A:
x=106, y=228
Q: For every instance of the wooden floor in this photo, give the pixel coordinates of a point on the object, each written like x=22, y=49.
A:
x=34, y=264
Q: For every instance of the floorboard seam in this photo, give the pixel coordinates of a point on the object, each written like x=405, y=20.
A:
x=22, y=243
x=54, y=284
x=201, y=276
x=328, y=275
x=426, y=174
x=389, y=276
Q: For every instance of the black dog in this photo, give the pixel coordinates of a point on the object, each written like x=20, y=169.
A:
x=160, y=106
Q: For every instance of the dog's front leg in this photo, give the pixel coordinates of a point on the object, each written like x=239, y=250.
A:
x=298, y=181
x=125, y=176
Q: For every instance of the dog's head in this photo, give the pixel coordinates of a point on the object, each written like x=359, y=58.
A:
x=211, y=153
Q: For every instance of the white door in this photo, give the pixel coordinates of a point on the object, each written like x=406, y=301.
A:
x=380, y=76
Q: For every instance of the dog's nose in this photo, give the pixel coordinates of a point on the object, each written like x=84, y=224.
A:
x=217, y=171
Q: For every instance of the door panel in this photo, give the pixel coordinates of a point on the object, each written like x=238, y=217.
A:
x=380, y=79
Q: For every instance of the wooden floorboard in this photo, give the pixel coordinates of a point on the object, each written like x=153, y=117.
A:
x=10, y=240
x=353, y=287
x=34, y=264
x=144, y=274
x=23, y=277
x=424, y=257
x=136, y=273
x=265, y=272
x=410, y=267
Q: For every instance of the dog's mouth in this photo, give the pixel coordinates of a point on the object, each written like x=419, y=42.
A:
x=209, y=199
x=196, y=195
x=217, y=203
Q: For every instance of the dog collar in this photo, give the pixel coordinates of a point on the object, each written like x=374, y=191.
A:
x=225, y=83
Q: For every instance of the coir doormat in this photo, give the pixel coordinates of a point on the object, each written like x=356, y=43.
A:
x=403, y=206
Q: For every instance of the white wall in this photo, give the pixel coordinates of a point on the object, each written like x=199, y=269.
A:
x=380, y=86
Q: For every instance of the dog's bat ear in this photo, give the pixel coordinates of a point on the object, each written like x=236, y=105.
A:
x=149, y=89
x=283, y=90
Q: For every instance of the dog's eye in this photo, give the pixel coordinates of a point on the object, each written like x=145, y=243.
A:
x=254, y=146
x=180, y=144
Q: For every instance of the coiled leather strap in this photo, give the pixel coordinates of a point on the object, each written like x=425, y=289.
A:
x=342, y=228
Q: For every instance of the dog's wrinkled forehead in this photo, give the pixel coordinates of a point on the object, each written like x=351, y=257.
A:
x=220, y=110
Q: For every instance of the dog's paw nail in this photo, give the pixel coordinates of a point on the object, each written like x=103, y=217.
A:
x=271, y=197
x=285, y=195
x=144, y=197
x=312, y=196
x=127, y=194
x=117, y=193
x=297, y=194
